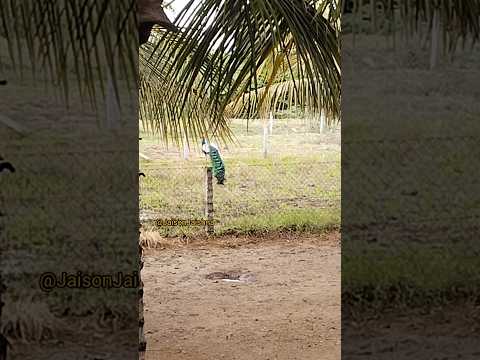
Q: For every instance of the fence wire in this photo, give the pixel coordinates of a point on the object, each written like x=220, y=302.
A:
x=421, y=189
x=252, y=192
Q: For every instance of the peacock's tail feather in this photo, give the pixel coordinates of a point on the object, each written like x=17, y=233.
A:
x=218, y=166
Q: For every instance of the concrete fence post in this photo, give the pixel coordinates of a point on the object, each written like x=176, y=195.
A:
x=265, y=139
x=186, y=148
x=271, y=122
x=322, y=122
x=436, y=33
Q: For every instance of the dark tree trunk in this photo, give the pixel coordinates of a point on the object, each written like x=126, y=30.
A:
x=149, y=13
x=142, y=343
x=3, y=340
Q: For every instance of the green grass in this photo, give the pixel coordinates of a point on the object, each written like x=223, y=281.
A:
x=420, y=267
x=258, y=194
x=296, y=187
x=303, y=220
x=411, y=275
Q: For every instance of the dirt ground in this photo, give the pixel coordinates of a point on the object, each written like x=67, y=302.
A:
x=443, y=333
x=288, y=309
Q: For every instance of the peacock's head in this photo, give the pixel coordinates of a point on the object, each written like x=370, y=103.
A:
x=205, y=147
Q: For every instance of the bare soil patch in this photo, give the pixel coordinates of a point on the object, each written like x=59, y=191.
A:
x=152, y=241
x=442, y=333
x=290, y=311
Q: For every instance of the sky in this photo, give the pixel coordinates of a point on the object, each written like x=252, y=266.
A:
x=176, y=6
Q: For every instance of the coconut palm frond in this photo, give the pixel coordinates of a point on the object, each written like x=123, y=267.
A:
x=277, y=97
x=462, y=16
x=458, y=19
x=160, y=115
x=223, y=44
x=283, y=84
x=70, y=38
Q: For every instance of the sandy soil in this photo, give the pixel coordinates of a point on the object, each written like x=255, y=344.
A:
x=291, y=310
x=443, y=333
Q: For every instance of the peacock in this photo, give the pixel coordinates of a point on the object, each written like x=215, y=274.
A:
x=218, y=166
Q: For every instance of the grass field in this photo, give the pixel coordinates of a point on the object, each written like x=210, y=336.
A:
x=296, y=187
x=410, y=160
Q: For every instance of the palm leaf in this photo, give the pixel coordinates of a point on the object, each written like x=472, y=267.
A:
x=276, y=97
x=159, y=115
x=460, y=19
x=223, y=44
x=70, y=38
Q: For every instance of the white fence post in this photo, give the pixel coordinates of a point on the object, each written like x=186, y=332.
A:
x=186, y=149
x=265, y=139
x=271, y=123
x=435, y=38
x=322, y=122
